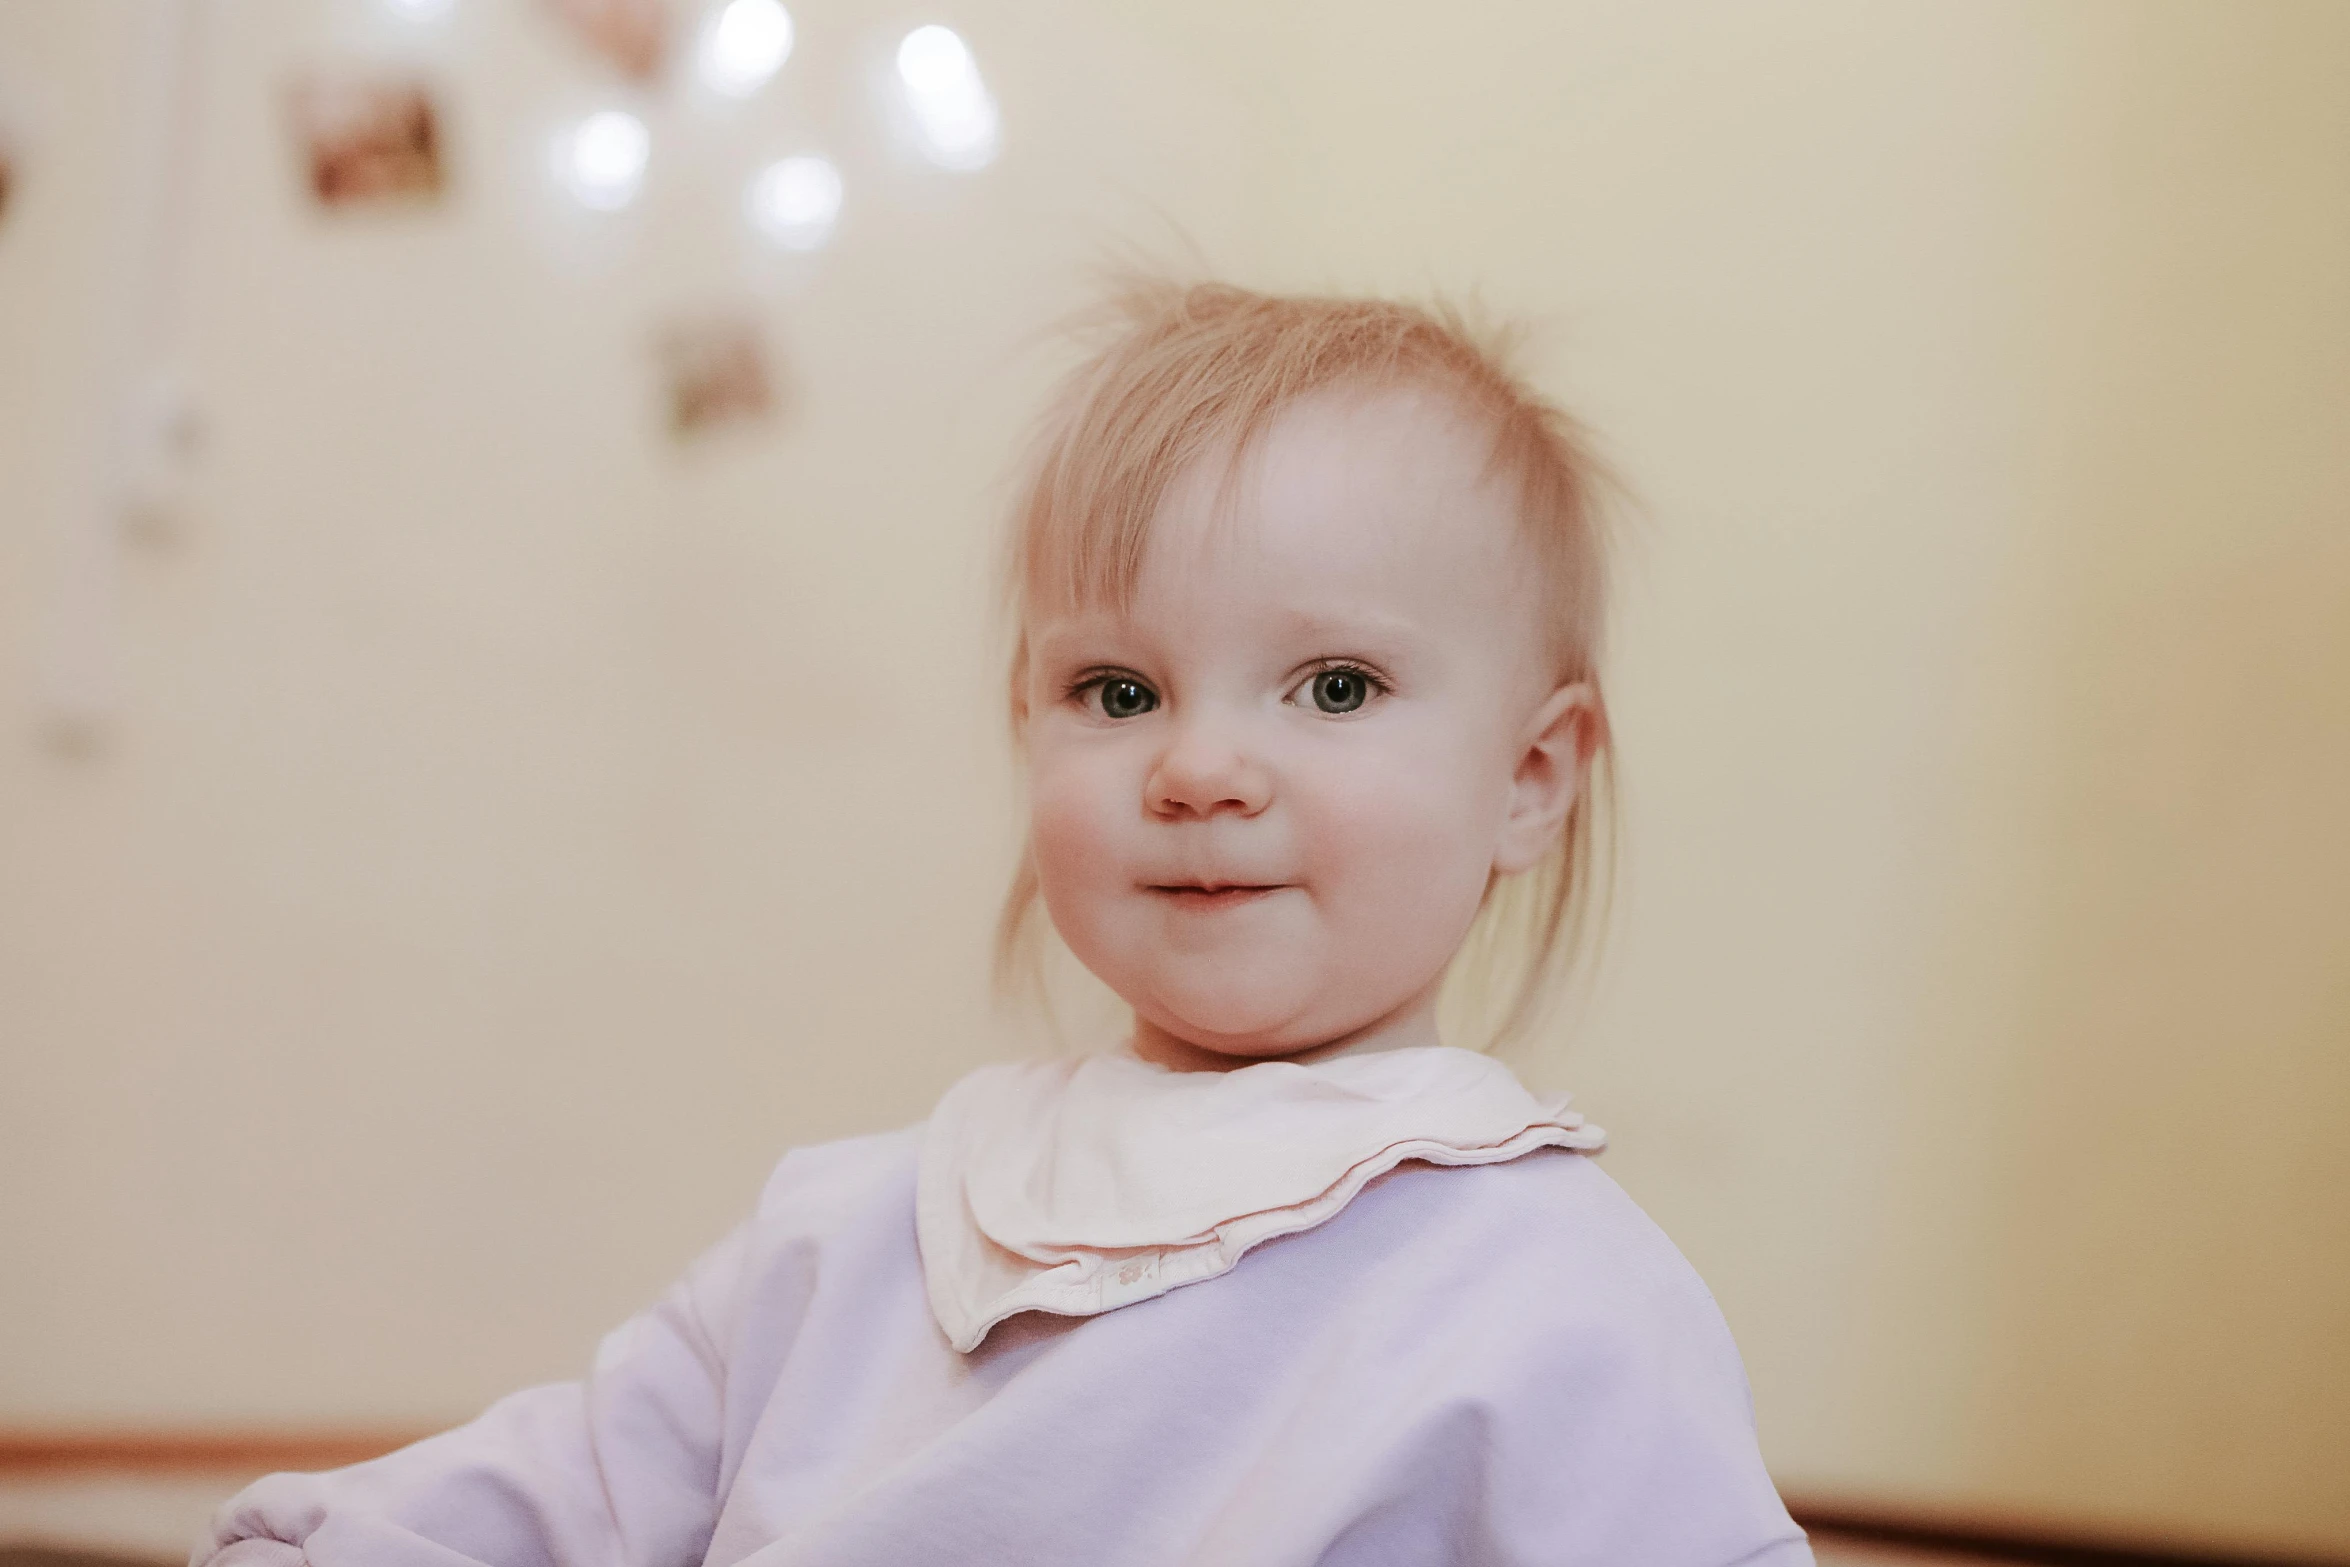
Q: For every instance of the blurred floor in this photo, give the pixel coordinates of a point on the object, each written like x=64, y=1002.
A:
x=1870, y=1553
x=112, y=1521
x=144, y=1520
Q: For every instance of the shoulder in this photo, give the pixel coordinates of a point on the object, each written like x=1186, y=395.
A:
x=826, y=1208
x=823, y=1188
x=1541, y=1261
x=832, y=1234
x=1511, y=1348
x=1581, y=1225
x=1552, y=1213
x=1566, y=1326
x=820, y=1178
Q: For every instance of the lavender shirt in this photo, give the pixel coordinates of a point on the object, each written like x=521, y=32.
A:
x=1504, y=1363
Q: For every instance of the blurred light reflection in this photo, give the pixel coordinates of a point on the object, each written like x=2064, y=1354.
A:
x=420, y=10
x=954, y=116
x=745, y=43
x=601, y=160
x=794, y=201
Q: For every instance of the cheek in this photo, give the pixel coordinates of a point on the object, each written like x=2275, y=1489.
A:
x=1404, y=813
x=1405, y=847
x=1078, y=831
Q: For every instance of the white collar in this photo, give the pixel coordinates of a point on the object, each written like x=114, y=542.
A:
x=1079, y=1186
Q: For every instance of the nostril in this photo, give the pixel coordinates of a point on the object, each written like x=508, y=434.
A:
x=1199, y=777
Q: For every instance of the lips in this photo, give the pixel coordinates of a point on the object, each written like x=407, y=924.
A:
x=1214, y=895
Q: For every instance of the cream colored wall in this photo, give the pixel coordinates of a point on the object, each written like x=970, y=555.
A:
x=2170, y=1267
x=515, y=832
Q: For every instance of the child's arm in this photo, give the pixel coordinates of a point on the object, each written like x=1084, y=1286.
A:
x=623, y=1466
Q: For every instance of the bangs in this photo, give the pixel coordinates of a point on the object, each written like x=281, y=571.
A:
x=1192, y=374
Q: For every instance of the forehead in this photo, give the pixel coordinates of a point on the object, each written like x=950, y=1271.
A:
x=1383, y=493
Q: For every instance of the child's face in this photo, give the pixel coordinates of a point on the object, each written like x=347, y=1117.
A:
x=1268, y=797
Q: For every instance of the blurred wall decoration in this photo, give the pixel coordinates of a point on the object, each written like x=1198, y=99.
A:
x=367, y=140
x=511, y=826
x=717, y=373
x=631, y=35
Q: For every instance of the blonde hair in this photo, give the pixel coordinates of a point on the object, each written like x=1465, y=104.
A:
x=1182, y=373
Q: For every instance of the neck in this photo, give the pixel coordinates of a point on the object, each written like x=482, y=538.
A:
x=1410, y=1026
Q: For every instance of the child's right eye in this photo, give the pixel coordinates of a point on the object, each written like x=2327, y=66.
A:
x=1122, y=696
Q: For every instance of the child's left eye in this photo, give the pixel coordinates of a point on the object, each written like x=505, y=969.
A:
x=1341, y=689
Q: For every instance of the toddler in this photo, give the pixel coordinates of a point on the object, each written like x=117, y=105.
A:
x=1308, y=596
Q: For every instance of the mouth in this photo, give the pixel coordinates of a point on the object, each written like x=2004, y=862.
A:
x=1213, y=895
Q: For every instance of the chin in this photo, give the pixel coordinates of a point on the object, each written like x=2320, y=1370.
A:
x=1238, y=1024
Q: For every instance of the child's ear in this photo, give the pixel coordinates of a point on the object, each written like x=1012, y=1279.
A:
x=1554, y=760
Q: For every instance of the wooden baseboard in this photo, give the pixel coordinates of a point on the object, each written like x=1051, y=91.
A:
x=1996, y=1535
x=146, y=1451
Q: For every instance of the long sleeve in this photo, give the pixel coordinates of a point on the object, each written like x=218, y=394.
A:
x=621, y=1467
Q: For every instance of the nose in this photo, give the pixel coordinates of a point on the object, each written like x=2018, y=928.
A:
x=1202, y=772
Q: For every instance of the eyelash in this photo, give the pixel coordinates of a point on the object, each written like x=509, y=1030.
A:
x=1095, y=678
x=1344, y=666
